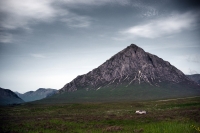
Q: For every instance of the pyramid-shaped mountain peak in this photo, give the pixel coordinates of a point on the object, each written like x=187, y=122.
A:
x=131, y=66
x=132, y=48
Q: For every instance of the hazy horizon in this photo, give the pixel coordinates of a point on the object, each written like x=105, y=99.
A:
x=46, y=44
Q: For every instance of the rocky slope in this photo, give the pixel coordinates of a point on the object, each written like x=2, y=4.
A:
x=195, y=78
x=36, y=95
x=8, y=97
x=131, y=66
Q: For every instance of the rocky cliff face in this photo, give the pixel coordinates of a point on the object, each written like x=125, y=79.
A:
x=8, y=97
x=129, y=67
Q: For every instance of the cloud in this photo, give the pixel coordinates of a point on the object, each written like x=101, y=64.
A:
x=96, y=2
x=76, y=21
x=6, y=38
x=38, y=55
x=20, y=14
x=146, y=9
x=23, y=13
x=150, y=13
x=193, y=58
x=161, y=26
x=29, y=12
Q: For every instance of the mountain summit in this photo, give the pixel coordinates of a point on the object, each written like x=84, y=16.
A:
x=130, y=75
x=131, y=66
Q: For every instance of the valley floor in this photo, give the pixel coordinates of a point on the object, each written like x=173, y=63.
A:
x=173, y=116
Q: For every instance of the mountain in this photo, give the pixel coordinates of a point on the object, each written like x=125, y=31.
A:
x=194, y=77
x=8, y=97
x=37, y=95
x=17, y=93
x=131, y=74
x=130, y=66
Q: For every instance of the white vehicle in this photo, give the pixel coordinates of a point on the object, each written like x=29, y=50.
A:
x=140, y=112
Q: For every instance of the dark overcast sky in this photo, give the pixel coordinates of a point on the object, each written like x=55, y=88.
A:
x=47, y=43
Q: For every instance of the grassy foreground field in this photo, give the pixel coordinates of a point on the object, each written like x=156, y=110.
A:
x=170, y=116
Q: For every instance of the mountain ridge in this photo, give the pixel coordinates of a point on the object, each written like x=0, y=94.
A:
x=36, y=95
x=130, y=66
x=8, y=97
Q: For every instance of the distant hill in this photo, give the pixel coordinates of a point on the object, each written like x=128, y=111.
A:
x=8, y=97
x=36, y=95
x=195, y=77
x=131, y=74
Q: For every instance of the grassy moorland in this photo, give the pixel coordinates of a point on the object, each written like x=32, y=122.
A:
x=142, y=92
x=169, y=116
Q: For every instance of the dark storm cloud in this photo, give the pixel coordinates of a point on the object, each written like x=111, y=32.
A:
x=24, y=14
x=108, y=14
x=186, y=4
x=181, y=5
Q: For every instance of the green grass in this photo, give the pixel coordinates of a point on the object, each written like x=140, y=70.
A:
x=143, y=92
x=173, y=116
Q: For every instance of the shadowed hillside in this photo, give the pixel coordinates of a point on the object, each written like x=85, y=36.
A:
x=8, y=97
